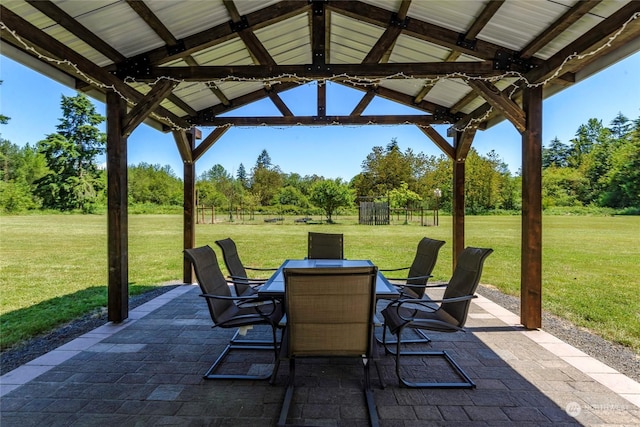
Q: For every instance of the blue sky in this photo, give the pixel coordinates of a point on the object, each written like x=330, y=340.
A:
x=32, y=101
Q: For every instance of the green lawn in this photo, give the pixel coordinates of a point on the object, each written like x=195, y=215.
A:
x=53, y=268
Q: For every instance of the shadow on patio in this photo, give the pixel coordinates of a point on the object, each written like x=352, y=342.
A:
x=148, y=371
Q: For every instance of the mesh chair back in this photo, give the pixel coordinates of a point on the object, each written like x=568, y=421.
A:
x=330, y=311
x=325, y=246
x=233, y=263
x=423, y=264
x=210, y=279
x=464, y=281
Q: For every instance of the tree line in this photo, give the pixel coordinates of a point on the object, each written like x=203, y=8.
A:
x=599, y=167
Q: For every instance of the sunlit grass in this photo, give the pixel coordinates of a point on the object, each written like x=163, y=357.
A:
x=54, y=267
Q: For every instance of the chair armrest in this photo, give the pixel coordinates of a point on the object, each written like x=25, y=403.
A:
x=260, y=269
x=246, y=280
x=250, y=300
x=429, y=303
x=393, y=269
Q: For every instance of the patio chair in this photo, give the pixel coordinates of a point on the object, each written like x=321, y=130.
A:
x=229, y=311
x=325, y=246
x=415, y=284
x=329, y=314
x=237, y=271
x=449, y=316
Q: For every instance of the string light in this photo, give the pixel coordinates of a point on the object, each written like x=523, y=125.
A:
x=358, y=81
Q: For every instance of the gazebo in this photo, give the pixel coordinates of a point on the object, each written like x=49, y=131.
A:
x=179, y=65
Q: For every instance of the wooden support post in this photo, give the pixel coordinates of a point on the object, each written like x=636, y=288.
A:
x=458, y=209
x=189, y=208
x=531, y=256
x=117, y=216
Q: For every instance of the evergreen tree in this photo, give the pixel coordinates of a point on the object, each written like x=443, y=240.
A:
x=241, y=175
x=74, y=180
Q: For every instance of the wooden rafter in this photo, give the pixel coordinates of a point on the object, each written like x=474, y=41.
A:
x=469, y=37
x=416, y=28
x=223, y=32
x=146, y=105
x=319, y=42
x=163, y=32
x=76, y=28
x=571, y=16
x=363, y=103
x=501, y=101
x=208, y=142
x=437, y=139
x=48, y=44
x=590, y=41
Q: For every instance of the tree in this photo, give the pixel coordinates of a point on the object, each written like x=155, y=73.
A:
x=385, y=168
x=154, y=184
x=291, y=196
x=264, y=160
x=21, y=167
x=241, y=175
x=556, y=154
x=329, y=195
x=620, y=126
x=402, y=197
x=74, y=180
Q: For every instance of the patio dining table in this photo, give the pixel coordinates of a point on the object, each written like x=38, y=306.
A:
x=274, y=287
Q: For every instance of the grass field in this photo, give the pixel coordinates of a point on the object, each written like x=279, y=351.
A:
x=53, y=268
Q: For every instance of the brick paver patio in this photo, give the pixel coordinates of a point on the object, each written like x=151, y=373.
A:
x=148, y=371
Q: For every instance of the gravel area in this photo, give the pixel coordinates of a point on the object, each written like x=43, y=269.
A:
x=617, y=356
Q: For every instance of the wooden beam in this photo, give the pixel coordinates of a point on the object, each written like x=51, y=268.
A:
x=572, y=15
x=319, y=39
x=152, y=21
x=146, y=105
x=470, y=37
x=322, y=100
x=221, y=33
x=463, y=143
x=363, y=103
x=531, y=247
x=335, y=72
x=47, y=44
x=184, y=147
x=209, y=141
x=189, y=205
x=165, y=34
x=241, y=101
x=117, y=213
x=500, y=101
x=322, y=120
x=279, y=103
x=437, y=139
x=419, y=29
x=589, y=42
x=70, y=24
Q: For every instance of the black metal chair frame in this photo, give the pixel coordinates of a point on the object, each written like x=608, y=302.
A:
x=466, y=383
x=418, y=283
x=425, y=314
x=251, y=310
x=366, y=358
